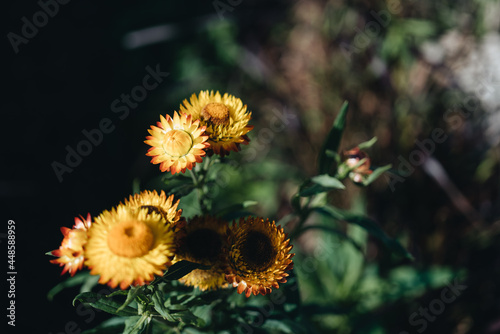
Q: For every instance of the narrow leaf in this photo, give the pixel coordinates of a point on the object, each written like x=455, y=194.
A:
x=369, y=225
x=159, y=306
x=332, y=141
x=188, y=317
x=89, y=283
x=136, y=325
x=328, y=181
x=311, y=190
x=179, y=185
x=70, y=282
x=333, y=231
x=181, y=269
x=367, y=144
x=132, y=293
x=376, y=173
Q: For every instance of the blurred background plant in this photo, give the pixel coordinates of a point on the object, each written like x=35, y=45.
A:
x=408, y=68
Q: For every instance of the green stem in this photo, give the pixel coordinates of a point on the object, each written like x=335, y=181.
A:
x=303, y=214
x=207, y=164
x=199, y=183
x=193, y=177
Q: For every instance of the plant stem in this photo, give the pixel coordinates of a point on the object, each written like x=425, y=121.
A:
x=199, y=183
x=193, y=177
x=303, y=214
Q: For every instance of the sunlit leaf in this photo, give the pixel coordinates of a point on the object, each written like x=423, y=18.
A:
x=328, y=181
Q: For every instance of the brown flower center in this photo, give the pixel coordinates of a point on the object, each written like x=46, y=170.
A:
x=215, y=113
x=130, y=239
x=203, y=245
x=177, y=143
x=258, y=251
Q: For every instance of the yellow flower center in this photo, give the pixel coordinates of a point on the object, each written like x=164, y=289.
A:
x=130, y=239
x=257, y=251
x=177, y=143
x=215, y=113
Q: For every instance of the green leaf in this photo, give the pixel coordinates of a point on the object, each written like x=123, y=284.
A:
x=330, y=230
x=118, y=293
x=328, y=181
x=104, y=303
x=376, y=173
x=159, y=306
x=181, y=269
x=136, y=186
x=334, y=155
x=369, y=225
x=70, y=282
x=283, y=326
x=177, y=307
x=137, y=324
x=308, y=188
x=132, y=293
x=91, y=281
x=311, y=190
x=188, y=317
x=332, y=141
x=367, y=144
x=179, y=185
x=114, y=325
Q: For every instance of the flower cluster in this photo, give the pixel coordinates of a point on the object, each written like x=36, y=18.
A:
x=208, y=124
x=146, y=234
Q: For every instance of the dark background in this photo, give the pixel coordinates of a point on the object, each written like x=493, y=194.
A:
x=62, y=82
x=274, y=54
